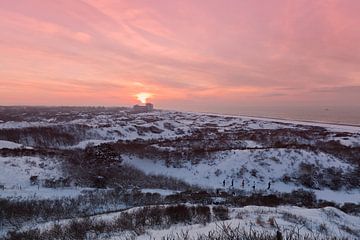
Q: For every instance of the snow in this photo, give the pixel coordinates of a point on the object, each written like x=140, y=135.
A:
x=15, y=176
x=350, y=141
x=9, y=145
x=252, y=144
x=257, y=219
x=289, y=218
x=112, y=127
x=93, y=142
x=33, y=192
x=163, y=192
x=255, y=167
x=238, y=165
x=330, y=126
x=16, y=171
x=304, y=221
x=14, y=125
x=341, y=197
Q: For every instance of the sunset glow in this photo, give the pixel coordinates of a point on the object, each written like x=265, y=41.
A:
x=206, y=55
x=142, y=97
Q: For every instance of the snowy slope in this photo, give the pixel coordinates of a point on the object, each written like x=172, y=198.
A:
x=15, y=176
x=17, y=171
x=255, y=167
x=9, y=145
x=251, y=163
x=321, y=223
x=168, y=125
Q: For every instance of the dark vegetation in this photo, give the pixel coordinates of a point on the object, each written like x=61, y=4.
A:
x=58, y=114
x=87, y=167
x=17, y=213
x=52, y=136
x=203, y=142
x=312, y=176
x=135, y=221
x=161, y=217
x=101, y=167
x=309, y=175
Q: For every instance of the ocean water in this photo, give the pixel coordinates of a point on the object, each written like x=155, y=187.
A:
x=337, y=115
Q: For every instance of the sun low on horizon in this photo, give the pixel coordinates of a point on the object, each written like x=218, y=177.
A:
x=202, y=55
x=143, y=97
x=180, y=119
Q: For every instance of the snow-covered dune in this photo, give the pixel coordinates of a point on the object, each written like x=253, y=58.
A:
x=9, y=145
x=318, y=223
x=254, y=167
x=322, y=223
x=113, y=126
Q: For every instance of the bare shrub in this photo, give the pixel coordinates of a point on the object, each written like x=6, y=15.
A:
x=124, y=222
x=221, y=213
x=202, y=214
x=272, y=222
x=178, y=213
x=260, y=221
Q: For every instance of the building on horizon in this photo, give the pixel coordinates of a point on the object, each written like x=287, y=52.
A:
x=148, y=107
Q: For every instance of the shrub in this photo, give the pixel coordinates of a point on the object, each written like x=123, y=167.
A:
x=323, y=228
x=260, y=221
x=28, y=235
x=77, y=229
x=124, y=222
x=221, y=213
x=203, y=214
x=351, y=208
x=301, y=198
x=178, y=213
x=272, y=222
x=156, y=215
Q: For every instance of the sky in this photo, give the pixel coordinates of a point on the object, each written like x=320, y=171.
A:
x=202, y=55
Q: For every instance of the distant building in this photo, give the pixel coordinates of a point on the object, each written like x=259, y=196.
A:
x=149, y=107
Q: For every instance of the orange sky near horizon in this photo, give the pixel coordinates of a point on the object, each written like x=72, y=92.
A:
x=201, y=55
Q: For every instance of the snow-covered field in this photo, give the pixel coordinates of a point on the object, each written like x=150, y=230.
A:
x=254, y=167
x=329, y=126
x=168, y=125
x=234, y=153
x=320, y=223
x=16, y=171
x=15, y=177
x=34, y=192
x=9, y=145
x=110, y=127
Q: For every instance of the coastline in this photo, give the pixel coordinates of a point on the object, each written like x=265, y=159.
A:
x=354, y=128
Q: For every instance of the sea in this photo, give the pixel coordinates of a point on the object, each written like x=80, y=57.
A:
x=334, y=115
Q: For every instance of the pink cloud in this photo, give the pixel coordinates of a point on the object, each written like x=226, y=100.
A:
x=82, y=37
x=248, y=52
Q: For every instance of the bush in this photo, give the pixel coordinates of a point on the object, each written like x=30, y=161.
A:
x=124, y=222
x=28, y=235
x=301, y=198
x=351, y=208
x=221, y=213
x=178, y=214
x=202, y=213
x=144, y=218
x=77, y=229
x=156, y=215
